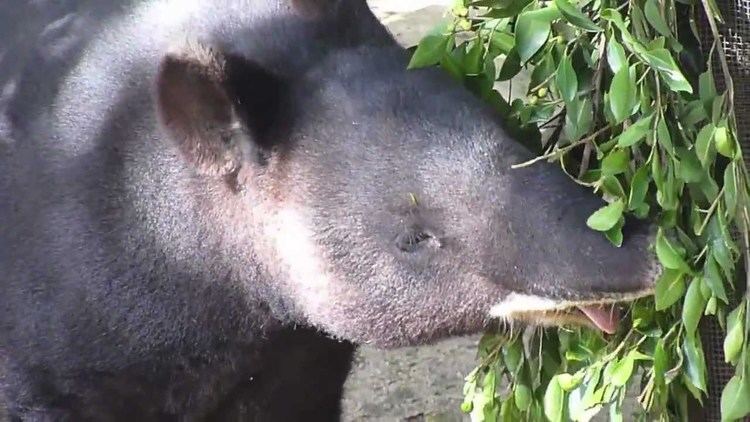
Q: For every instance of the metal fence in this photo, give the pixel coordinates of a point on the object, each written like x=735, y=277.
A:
x=735, y=40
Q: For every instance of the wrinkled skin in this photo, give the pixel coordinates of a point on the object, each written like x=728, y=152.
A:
x=206, y=204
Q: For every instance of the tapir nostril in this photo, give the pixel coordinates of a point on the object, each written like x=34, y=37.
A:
x=414, y=238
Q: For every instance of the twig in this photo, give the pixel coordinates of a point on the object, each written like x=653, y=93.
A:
x=645, y=73
x=598, y=75
x=722, y=56
x=560, y=114
x=561, y=150
x=595, y=105
x=544, y=82
x=710, y=212
x=585, y=159
x=555, y=133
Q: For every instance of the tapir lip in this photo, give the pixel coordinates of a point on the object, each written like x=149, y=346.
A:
x=554, y=312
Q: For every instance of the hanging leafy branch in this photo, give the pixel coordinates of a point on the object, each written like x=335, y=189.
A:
x=620, y=95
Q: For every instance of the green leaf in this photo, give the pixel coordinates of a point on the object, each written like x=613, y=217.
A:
x=554, y=401
x=615, y=412
x=691, y=170
x=707, y=90
x=513, y=355
x=507, y=413
x=724, y=142
x=655, y=18
x=473, y=63
x=502, y=8
x=642, y=211
x=616, y=162
x=638, y=26
x=614, y=235
x=669, y=288
x=638, y=187
x=711, y=306
x=622, y=95
x=544, y=68
x=522, y=395
x=591, y=395
x=695, y=363
x=454, y=65
x=623, y=370
x=531, y=34
x=577, y=410
x=576, y=17
x=606, y=217
x=717, y=108
x=693, y=114
x=660, y=361
x=489, y=385
x=511, y=66
x=429, y=51
x=704, y=147
x=734, y=399
x=578, y=119
x=616, y=57
x=693, y=307
x=663, y=136
x=723, y=256
x=730, y=189
x=568, y=382
x=713, y=278
x=615, y=17
x=661, y=60
x=668, y=256
x=636, y=132
x=735, y=337
x=611, y=185
x=502, y=42
x=567, y=80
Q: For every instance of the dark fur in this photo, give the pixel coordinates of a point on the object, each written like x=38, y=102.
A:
x=153, y=201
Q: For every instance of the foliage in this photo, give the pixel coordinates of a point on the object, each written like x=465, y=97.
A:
x=621, y=96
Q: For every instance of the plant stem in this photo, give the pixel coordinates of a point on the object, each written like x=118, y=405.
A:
x=561, y=150
x=710, y=212
x=722, y=55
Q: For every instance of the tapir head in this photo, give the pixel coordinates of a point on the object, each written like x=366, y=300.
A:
x=382, y=201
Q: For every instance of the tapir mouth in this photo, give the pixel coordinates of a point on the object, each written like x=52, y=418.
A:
x=604, y=314
x=603, y=317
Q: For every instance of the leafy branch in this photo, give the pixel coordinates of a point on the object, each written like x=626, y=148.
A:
x=609, y=98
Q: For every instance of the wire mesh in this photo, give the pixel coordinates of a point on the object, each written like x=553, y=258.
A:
x=735, y=41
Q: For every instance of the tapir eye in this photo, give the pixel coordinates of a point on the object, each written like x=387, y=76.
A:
x=414, y=238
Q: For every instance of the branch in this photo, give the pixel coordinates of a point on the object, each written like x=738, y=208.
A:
x=561, y=150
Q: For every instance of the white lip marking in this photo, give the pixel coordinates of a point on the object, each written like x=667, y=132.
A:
x=520, y=303
x=516, y=302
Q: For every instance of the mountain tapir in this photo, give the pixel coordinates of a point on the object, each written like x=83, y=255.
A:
x=205, y=205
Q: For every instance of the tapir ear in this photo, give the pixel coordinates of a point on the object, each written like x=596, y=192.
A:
x=217, y=107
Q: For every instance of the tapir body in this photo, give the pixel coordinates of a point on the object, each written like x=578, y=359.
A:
x=206, y=204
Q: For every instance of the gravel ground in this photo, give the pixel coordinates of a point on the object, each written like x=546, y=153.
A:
x=412, y=384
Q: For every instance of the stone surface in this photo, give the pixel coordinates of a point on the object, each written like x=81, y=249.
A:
x=415, y=384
